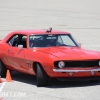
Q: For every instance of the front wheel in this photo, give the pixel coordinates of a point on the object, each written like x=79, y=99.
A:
x=42, y=78
x=3, y=69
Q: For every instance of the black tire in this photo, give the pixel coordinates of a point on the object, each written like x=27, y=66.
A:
x=42, y=78
x=3, y=69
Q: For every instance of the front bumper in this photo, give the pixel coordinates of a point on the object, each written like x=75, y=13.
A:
x=75, y=73
x=65, y=70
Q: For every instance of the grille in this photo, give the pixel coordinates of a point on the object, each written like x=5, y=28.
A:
x=79, y=63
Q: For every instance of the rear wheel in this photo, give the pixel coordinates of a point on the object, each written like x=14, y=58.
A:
x=42, y=78
x=3, y=69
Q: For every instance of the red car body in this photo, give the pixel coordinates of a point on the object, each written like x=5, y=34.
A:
x=78, y=63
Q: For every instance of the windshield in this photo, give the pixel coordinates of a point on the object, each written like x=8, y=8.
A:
x=51, y=40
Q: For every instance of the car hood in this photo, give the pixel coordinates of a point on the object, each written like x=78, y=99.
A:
x=71, y=53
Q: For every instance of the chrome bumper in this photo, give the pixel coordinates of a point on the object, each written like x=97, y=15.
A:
x=62, y=70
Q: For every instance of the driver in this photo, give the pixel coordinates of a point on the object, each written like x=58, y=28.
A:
x=52, y=41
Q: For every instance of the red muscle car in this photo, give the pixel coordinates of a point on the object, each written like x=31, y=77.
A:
x=48, y=54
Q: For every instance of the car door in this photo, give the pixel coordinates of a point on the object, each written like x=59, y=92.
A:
x=16, y=53
x=15, y=59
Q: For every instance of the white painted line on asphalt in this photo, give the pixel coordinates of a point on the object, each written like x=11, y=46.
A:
x=2, y=86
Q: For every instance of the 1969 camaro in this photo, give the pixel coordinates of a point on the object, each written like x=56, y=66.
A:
x=48, y=54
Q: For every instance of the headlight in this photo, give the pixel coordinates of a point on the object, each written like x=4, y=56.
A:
x=99, y=63
x=61, y=64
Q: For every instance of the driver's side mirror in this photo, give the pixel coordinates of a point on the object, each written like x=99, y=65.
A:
x=20, y=46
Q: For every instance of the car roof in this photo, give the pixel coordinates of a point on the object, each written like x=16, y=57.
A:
x=29, y=32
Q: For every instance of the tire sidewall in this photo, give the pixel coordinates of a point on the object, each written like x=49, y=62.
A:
x=42, y=77
x=3, y=69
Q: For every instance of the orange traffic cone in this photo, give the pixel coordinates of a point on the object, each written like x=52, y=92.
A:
x=8, y=76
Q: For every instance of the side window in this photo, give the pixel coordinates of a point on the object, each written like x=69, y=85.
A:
x=18, y=40
x=24, y=38
x=12, y=40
